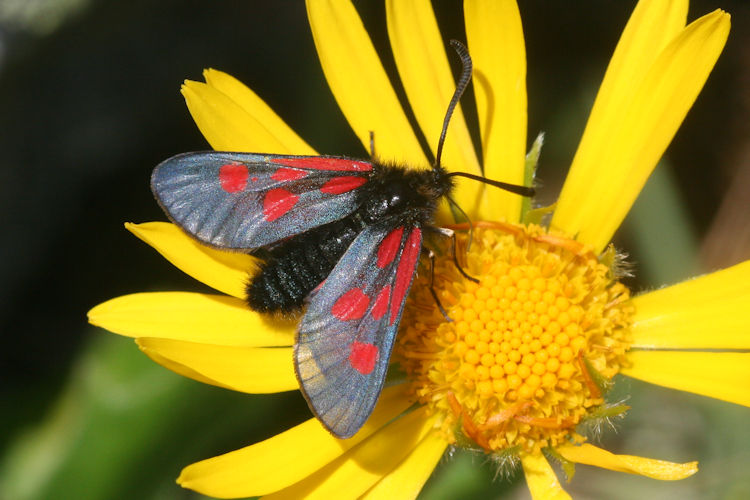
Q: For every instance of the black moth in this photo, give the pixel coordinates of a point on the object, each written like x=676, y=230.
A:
x=341, y=236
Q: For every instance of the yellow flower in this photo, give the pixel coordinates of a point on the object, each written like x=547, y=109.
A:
x=533, y=346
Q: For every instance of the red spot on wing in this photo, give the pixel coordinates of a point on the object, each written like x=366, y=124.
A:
x=233, y=177
x=381, y=303
x=362, y=357
x=389, y=247
x=288, y=174
x=339, y=185
x=352, y=305
x=277, y=202
x=405, y=270
x=324, y=163
x=254, y=179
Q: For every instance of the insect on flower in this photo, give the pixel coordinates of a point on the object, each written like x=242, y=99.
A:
x=342, y=235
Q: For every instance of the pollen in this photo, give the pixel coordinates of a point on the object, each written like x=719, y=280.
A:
x=530, y=343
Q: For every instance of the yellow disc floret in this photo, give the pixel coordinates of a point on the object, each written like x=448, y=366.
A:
x=529, y=347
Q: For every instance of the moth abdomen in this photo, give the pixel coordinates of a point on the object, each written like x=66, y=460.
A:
x=291, y=270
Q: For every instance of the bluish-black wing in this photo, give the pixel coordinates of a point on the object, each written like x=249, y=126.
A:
x=244, y=201
x=346, y=336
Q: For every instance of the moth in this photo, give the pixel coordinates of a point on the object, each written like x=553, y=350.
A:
x=337, y=236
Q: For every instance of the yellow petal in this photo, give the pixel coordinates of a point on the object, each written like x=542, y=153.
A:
x=192, y=317
x=227, y=126
x=603, y=184
x=286, y=458
x=702, y=313
x=355, y=472
x=418, y=49
x=359, y=82
x=255, y=370
x=223, y=271
x=541, y=479
x=495, y=37
x=651, y=27
x=260, y=112
x=407, y=479
x=656, y=469
x=720, y=375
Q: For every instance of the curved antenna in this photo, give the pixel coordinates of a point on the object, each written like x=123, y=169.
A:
x=463, y=82
x=513, y=188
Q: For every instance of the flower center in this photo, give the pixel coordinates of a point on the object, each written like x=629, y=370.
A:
x=530, y=348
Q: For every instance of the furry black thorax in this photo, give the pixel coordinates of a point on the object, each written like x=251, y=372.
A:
x=289, y=271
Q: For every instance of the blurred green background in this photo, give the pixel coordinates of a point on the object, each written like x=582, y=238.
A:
x=89, y=103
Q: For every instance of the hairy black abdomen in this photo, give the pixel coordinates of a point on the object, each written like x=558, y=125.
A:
x=291, y=270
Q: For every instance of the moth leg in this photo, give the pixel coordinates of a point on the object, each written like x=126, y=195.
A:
x=431, y=256
x=471, y=224
x=449, y=233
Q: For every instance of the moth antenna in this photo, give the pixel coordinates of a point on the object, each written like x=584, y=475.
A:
x=463, y=82
x=372, y=144
x=513, y=188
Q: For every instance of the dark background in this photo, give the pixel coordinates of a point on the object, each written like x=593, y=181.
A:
x=89, y=103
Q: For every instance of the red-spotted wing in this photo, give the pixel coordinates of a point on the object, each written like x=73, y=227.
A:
x=346, y=336
x=245, y=201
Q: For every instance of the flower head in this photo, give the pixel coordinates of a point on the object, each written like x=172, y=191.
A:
x=531, y=347
x=540, y=323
